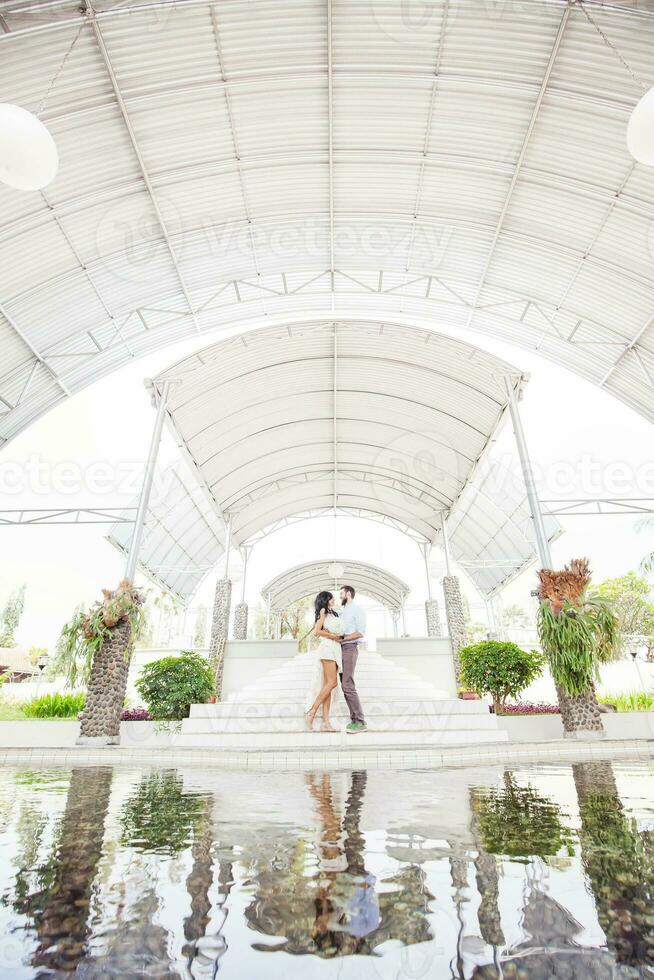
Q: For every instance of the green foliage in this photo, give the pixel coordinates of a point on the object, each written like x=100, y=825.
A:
x=633, y=603
x=159, y=818
x=515, y=617
x=78, y=643
x=297, y=620
x=630, y=701
x=577, y=640
x=171, y=685
x=499, y=669
x=11, y=711
x=10, y=617
x=84, y=635
x=34, y=654
x=517, y=822
x=55, y=706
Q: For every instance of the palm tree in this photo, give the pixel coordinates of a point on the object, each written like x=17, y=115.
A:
x=578, y=631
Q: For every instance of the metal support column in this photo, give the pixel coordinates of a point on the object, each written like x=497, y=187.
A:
x=425, y=548
x=146, y=489
x=446, y=544
x=403, y=613
x=542, y=544
x=246, y=557
x=228, y=544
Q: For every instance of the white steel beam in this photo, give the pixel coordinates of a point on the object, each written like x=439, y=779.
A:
x=521, y=156
x=139, y=156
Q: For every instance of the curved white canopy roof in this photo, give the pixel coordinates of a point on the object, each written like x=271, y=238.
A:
x=311, y=577
x=368, y=418
x=278, y=159
x=183, y=538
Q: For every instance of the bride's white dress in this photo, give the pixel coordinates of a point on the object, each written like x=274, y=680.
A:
x=325, y=650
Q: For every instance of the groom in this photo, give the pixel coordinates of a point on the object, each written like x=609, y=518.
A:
x=354, y=621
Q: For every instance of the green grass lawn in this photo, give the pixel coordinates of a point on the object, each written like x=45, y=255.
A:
x=11, y=712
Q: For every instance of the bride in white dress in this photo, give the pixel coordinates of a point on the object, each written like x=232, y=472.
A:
x=328, y=659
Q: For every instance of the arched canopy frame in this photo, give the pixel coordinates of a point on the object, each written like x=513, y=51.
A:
x=221, y=164
x=310, y=577
x=356, y=416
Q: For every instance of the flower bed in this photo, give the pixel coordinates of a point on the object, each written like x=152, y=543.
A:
x=135, y=714
x=526, y=708
x=130, y=714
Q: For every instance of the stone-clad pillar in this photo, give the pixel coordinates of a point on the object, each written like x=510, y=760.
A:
x=433, y=615
x=219, y=630
x=241, y=621
x=106, y=689
x=456, y=620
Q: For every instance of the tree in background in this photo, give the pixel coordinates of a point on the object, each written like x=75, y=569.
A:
x=296, y=619
x=10, y=617
x=515, y=617
x=632, y=599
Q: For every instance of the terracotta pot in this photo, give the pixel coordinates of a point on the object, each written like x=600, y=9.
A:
x=469, y=696
x=212, y=699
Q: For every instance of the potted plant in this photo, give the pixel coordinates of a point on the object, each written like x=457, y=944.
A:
x=499, y=669
x=467, y=695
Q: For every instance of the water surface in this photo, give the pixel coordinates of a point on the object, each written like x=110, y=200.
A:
x=542, y=871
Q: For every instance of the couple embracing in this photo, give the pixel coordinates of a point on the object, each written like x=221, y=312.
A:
x=339, y=633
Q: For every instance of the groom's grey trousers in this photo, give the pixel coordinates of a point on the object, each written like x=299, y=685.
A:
x=350, y=653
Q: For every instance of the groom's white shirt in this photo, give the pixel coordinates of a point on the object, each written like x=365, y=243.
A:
x=354, y=619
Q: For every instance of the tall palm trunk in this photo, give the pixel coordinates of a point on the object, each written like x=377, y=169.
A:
x=581, y=713
x=490, y=923
x=61, y=909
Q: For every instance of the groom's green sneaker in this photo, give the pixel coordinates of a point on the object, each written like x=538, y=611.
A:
x=356, y=726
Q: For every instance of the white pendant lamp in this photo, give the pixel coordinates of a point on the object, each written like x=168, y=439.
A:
x=28, y=154
x=640, y=131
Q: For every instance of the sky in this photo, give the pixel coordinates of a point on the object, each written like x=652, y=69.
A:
x=90, y=451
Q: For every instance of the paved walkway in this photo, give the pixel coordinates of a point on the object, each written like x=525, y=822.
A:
x=400, y=758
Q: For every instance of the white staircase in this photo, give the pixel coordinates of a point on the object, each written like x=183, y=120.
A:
x=400, y=708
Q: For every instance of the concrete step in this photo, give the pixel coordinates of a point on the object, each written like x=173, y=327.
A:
x=378, y=723
x=377, y=707
x=317, y=740
x=365, y=693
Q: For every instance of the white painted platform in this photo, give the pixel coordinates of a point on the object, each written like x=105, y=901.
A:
x=402, y=709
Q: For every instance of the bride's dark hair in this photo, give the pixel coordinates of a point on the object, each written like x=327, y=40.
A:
x=322, y=602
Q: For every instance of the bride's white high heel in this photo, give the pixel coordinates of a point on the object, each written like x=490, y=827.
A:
x=307, y=721
x=327, y=727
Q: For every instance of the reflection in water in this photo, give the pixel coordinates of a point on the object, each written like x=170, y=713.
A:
x=337, y=911
x=174, y=874
x=59, y=896
x=619, y=862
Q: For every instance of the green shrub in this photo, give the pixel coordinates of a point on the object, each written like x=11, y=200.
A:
x=55, y=706
x=171, y=685
x=630, y=701
x=160, y=817
x=499, y=669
